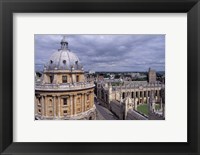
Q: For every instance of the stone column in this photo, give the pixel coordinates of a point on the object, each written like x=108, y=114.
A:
x=91, y=95
x=158, y=95
x=82, y=102
x=139, y=97
x=147, y=97
x=58, y=106
x=142, y=97
x=135, y=104
x=74, y=104
x=92, y=98
x=71, y=105
x=43, y=105
x=85, y=98
x=54, y=106
x=36, y=105
x=89, y=99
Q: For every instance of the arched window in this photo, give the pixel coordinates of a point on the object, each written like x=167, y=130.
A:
x=51, y=78
x=77, y=78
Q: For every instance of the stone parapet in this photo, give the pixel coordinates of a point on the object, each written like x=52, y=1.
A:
x=64, y=87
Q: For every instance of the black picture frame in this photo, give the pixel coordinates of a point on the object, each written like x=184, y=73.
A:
x=8, y=7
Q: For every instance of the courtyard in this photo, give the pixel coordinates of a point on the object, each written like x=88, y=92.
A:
x=143, y=108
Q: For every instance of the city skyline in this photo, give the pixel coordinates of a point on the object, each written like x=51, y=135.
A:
x=109, y=53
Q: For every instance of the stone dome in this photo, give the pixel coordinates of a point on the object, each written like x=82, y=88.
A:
x=63, y=59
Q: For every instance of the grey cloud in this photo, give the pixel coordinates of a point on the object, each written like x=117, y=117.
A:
x=108, y=52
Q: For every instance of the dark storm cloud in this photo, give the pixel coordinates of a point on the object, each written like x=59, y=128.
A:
x=107, y=52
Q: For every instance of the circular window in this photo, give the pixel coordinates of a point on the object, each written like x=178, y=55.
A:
x=64, y=61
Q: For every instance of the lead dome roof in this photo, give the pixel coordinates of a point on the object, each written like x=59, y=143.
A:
x=63, y=59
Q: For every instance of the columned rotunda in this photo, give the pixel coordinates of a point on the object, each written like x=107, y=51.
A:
x=63, y=92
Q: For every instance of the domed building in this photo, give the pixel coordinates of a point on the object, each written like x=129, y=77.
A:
x=63, y=92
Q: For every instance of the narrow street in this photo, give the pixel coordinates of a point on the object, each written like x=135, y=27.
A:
x=103, y=113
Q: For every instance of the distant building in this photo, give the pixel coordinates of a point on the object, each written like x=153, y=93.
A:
x=63, y=91
x=124, y=99
x=151, y=76
x=135, y=75
x=91, y=72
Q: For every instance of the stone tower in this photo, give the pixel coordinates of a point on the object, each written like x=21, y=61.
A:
x=63, y=92
x=126, y=105
x=151, y=76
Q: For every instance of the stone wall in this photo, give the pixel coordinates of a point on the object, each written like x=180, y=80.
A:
x=116, y=109
x=50, y=105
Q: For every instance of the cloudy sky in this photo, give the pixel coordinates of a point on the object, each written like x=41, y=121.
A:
x=107, y=52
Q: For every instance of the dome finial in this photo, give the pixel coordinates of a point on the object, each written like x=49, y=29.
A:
x=64, y=43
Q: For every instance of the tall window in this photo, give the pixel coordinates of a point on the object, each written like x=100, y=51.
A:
x=77, y=78
x=64, y=101
x=123, y=95
x=51, y=78
x=64, y=79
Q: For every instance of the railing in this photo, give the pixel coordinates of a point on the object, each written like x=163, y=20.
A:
x=64, y=86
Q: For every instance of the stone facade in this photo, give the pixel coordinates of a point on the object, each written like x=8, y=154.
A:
x=124, y=99
x=63, y=92
x=139, y=93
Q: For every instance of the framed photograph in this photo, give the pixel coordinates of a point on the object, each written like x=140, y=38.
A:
x=105, y=87
x=79, y=76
